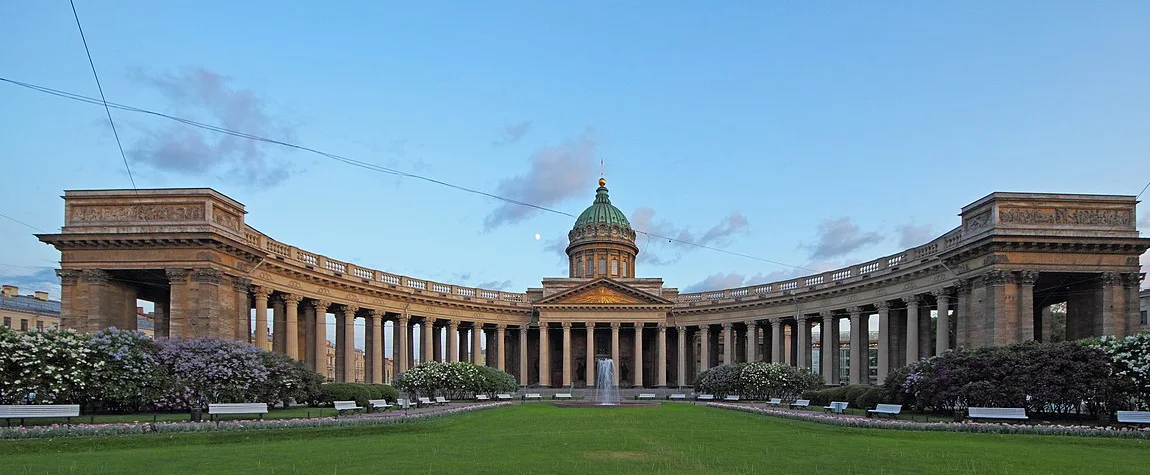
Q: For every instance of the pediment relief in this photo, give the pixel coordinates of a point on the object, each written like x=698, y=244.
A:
x=601, y=295
x=603, y=292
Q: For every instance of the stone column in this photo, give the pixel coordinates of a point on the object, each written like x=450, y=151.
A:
x=501, y=346
x=942, y=323
x=704, y=347
x=883, y=340
x=177, y=301
x=349, y=342
x=1130, y=284
x=260, y=336
x=776, y=340
x=591, y=354
x=544, y=356
x=376, y=346
x=829, y=347
x=804, y=342
x=728, y=344
x=243, y=308
x=1026, y=281
x=523, y=355
x=638, y=355
x=858, y=360
x=401, y=351
x=681, y=341
x=279, y=335
x=452, y=341
x=615, y=350
x=661, y=357
x=962, y=314
x=911, y=328
x=320, y=338
x=566, y=354
x=291, y=325
x=752, y=341
x=428, y=333
x=476, y=343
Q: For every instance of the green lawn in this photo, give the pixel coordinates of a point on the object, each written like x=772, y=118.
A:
x=539, y=438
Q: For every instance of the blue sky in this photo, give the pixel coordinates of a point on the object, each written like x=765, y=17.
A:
x=813, y=134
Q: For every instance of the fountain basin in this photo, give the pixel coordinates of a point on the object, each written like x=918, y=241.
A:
x=595, y=404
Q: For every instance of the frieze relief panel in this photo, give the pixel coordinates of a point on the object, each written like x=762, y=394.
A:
x=136, y=213
x=1109, y=218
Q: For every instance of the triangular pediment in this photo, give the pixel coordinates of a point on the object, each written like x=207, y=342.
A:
x=604, y=292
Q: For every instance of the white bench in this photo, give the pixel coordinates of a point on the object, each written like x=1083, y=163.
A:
x=1133, y=417
x=562, y=396
x=343, y=406
x=704, y=397
x=404, y=403
x=378, y=404
x=800, y=403
x=888, y=409
x=731, y=397
x=23, y=411
x=645, y=396
x=775, y=401
x=836, y=407
x=482, y=397
x=237, y=408
x=532, y=396
x=425, y=401
x=503, y=396
x=1015, y=413
x=441, y=400
x=677, y=396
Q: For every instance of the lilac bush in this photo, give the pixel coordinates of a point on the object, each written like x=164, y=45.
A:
x=203, y=371
x=1130, y=358
x=128, y=378
x=50, y=366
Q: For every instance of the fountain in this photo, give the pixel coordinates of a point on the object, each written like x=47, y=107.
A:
x=606, y=392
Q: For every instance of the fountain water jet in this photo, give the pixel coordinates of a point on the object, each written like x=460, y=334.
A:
x=606, y=392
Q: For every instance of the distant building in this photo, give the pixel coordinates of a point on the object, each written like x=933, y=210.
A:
x=146, y=322
x=1144, y=306
x=28, y=312
x=360, y=366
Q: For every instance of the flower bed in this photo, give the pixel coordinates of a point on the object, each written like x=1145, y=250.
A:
x=90, y=430
x=973, y=427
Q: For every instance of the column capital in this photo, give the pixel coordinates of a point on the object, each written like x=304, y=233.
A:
x=1027, y=277
x=400, y=319
x=452, y=323
x=349, y=309
x=289, y=299
x=882, y=305
x=915, y=299
x=320, y=306
x=1132, y=279
x=590, y=325
x=68, y=276
x=962, y=286
x=207, y=275
x=260, y=291
x=854, y=311
x=997, y=278
x=774, y=321
x=661, y=326
x=373, y=314
x=941, y=294
x=615, y=325
x=726, y=325
x=826, y=314
x=801, y=319
x=751, y=323
x=240, y=284
x=1108, y=278
x=681, y=329
x=498, y=326
x=566, y=326
x=175, y=275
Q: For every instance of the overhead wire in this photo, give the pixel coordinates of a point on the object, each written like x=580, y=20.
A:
x=359, y=163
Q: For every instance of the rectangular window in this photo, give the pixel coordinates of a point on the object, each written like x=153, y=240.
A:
x=23, y=325
x=589, y=271
x=40, y=325
x=8, y=320
x=1145, y=321
x=602, y=266
x=614, y=267
x=624, y=268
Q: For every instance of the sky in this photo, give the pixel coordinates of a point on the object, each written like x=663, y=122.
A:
x=808, y=135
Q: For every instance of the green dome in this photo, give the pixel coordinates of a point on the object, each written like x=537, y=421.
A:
x=602, y=211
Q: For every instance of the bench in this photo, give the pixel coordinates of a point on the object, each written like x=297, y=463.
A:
x=532, y=396
x=22, y=411
x=704, y=397
x=343, y=406
x=237, y=408
x=677, y=396
x=482, y=397
x=775, y=401
x=403, y=403
x=731, y=397
x=888, y=409
x=1014, y=413
x=425, y=401
x=645, y=396
x=800, y=403
x=441, y=400
x=378, y=404
x=836, y=407
x=562, y=396
x=503, y=396
x=1133, y=417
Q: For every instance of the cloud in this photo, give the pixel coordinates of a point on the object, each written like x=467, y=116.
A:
x=554, y=174
x=494, y=285
x=716, y=281
x=838, y=237
x=30, y=280
x=512, y=133
x=913, y=236
x=186, y=150
x=734, y=279
x=680, y=238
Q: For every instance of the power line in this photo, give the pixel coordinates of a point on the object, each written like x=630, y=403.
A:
x=358, y=163
x=102, y=99
x=1143, y=190
x=34, y=228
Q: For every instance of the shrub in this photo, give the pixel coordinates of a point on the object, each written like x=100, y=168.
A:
x=129, y=379
x=386, y=392
x=452, y=380
x=496, y=381
x=203, y=371
x=720, y=380
x=50, y=366
x=868, y=399
x=360, y=393
x=1130, y=358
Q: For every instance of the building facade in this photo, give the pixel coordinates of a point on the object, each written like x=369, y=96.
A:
x=28, y=312
x=986, y=282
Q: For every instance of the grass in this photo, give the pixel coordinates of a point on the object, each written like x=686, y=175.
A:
x=292, y=413
x=539, y=438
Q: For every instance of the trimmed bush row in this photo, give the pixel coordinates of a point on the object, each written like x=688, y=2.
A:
x=756, y=380
x=454, y=380
x=358, y=392
x=857, y=395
